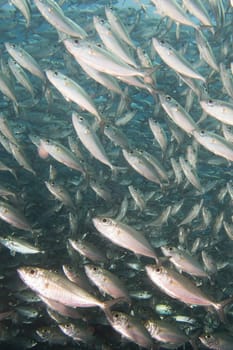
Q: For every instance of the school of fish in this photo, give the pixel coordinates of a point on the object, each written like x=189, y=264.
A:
x=116, y=174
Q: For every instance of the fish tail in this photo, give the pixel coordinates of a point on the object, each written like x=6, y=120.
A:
x=106, y=306
x=220, y=308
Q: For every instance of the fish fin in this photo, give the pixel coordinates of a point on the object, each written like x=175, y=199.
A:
x=106, y=306
x=219, y=307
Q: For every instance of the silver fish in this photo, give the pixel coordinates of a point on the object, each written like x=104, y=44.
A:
x=177, y=113
x=124, y=236
x=215, y=144
x=221, y=110
x=184, y=261
x=175, y=60
x=17, y=245
x=72, y=91
x=53, y=14
x=106, y=282
x=61, y=154
x=90, y=139
x=130, y=328
x=14, y=217
x=53, y=286
x=100, y=59
x=25, y=60
x=182, y=288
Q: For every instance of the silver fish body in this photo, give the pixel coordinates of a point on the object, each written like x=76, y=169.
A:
x=175, y=60
x=124, y=236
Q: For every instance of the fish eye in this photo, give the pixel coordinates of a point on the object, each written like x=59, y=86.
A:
x=210, y=102
x=207, y=336
x=67, y=326
x=168, y=98
x=162, y=42
x=52, y=183
x=81, y=119
x=55, y=73
x=104, y=220
x=32, y=272
x=13, y=45
x=202, y=132
x=116, y=315
x=102, y=21
x=76, y=41
x=106, y=126
x=158, y=269
x=99, y=45
x=47, y=142
x=94, y=268
x=131, y=152
x=170, y=249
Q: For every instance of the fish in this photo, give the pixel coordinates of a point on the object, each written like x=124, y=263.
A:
x=173, y=10
x=159, y=134
x=7, y=89
x=217, y=340
x=197, y=8
x=20, y=156
x=118, y=27
x=124, y=236
x=79, y=332
x=190, y=174
x=116, y=136
x=166, y=332
x=72, y=92
x=214, y=143
x=141, y=165
x=61, y=194
x=130, y=328
x=90, y=139
x=107, y=282
x=24, y=8
x=21, y=76
x=184, y=261
x=54, y=15
x=112, y=43
x=6, y=129
x=182, y=288
x=88, y=250
x=178, y=114
x=14, y=217
x=220, y=110
x=206, y=52
x=53, y=286
x=17, y=245
x=100, y=59
x=24, y=59
x=137, y=197
x=61, y=154
x=175, y=60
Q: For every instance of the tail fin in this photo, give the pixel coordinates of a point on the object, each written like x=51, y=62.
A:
x=106, y=306
x=219, y=307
